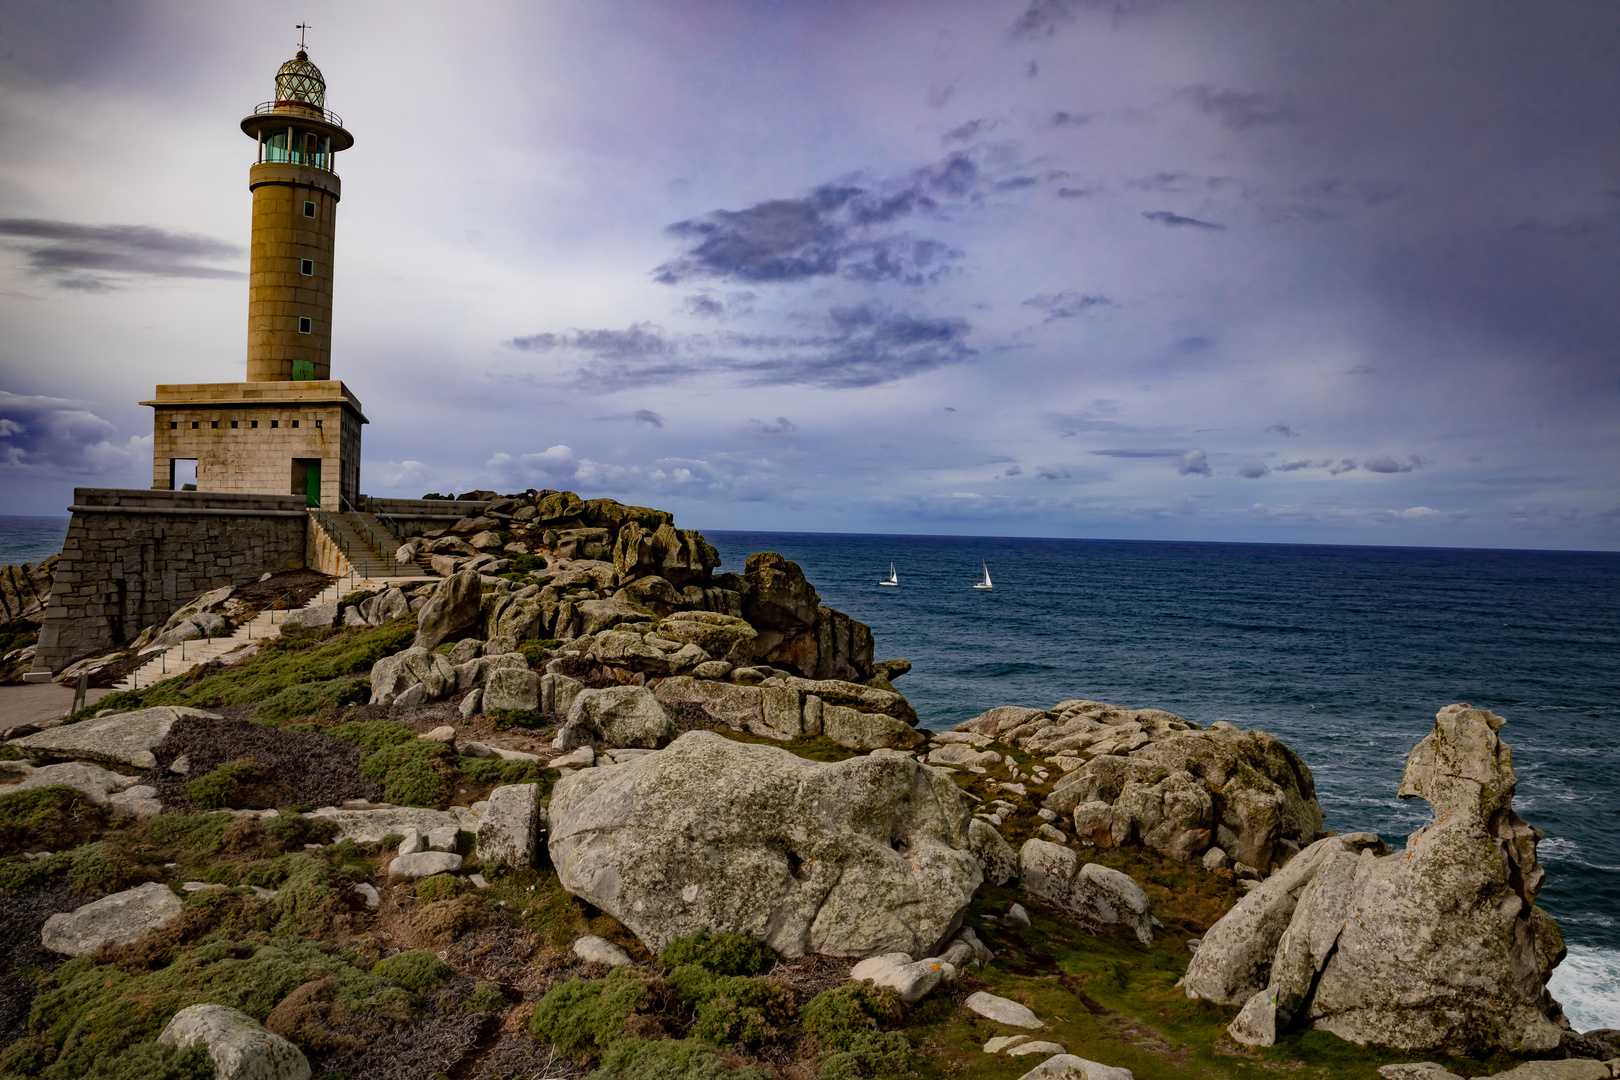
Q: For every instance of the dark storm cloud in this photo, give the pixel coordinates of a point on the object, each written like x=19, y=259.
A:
x=58, y=437
x=640, y=416
x=98, y=258
x=863, y=345
x=842, y=230
x=1237, y=110
x=1067, y=304
x=1166, y=217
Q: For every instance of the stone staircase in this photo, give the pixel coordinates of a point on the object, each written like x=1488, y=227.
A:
x=181, y=658
x=370, y=548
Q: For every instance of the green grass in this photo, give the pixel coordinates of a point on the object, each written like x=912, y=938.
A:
x=312, y=699
x=372, y=734
x=282, y=663
x=48, y=819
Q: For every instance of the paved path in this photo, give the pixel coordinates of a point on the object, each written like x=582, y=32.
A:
x=33, y=702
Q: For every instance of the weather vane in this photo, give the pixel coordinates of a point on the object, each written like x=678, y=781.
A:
x=301, y=27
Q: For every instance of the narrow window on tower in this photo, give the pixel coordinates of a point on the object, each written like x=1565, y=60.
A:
x=317, y=423
x=194, y=424
x=275, y=423
x=213, y=423
x=306, y=267
x=295, y=423
x=305, y=324
x=173, y=424
x=309, y=209
x=255, y=423
x=233, y=423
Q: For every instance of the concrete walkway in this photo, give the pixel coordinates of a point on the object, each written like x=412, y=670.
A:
x=36, y=702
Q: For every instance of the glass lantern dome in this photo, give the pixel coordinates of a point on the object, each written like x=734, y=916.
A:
x=299, y=81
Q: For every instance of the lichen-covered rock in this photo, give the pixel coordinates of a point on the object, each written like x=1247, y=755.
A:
x=396, y=678
x=1435, y=947
x=512, y=688
x=867, y=731
x=96, y=783
x=127, y=738
x=1151, y=778
x=616, y=716
x=995, y=855
x=1091, y=891
x=118, y=919
x=723, y=637
x=509, y=831
x=389, y=604
x=238, y=1045
x=851, y=858
x=452, y=610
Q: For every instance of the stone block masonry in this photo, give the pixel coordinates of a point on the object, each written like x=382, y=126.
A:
x=132, y=557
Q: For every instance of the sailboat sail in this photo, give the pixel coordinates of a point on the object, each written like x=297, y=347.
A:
x=892, y=579
x=985, y=583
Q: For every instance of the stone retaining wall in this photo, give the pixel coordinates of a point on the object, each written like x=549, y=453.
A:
x=133, y=556
x=416, y=516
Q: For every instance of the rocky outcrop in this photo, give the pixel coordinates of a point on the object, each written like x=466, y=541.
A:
x=127, y=738
x=1089, y=891
x=1151, y=778
x=1438, y=947
x=118, y=919
x=412, y=677
x=629, y=716
x=452, y=611
x=852, y=858
x=509, y=832
x=239, y=1047
x=25, y=591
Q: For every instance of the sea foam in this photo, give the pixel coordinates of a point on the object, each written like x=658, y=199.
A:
x=1587, y=984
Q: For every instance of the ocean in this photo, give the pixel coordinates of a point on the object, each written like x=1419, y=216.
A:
x=1344, y=653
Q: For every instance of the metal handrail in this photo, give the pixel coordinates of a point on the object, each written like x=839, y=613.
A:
x=267, y=107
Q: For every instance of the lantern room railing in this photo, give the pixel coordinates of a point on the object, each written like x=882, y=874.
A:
x=291, y=108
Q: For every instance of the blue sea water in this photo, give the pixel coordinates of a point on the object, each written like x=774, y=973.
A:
x=1344, y=653
x=30, y=539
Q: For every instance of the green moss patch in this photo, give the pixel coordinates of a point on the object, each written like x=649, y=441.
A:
x=415, y=970
x=239, y=785
x=722, y=954
x=312, y=699
x=415, y=773
x=48, y=819
x=669, y=1059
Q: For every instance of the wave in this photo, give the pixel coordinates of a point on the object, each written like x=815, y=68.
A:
x=1587, y=985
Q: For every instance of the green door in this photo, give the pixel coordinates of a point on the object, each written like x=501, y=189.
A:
x=312, y=483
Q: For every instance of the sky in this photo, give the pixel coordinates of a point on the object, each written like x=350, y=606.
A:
x=1322, y=271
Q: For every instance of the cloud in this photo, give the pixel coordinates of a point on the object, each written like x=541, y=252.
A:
x=1195, y=344
x=969, y=131
x=722, y=477
x=837, y=230
x=1138, y=453
x=1253, y=470
x=862, y=345
x=640, y=416
x=1078, y=193
x=1237, y=110
x=1015, y=183
x=1068, y=119
x=781, y=427
x=706, y=305
x=1166, y=217
x=1293, y=466
x=1284, y=430
x=100, y=258
x=1383, y=463
x=1052, y=472
x=406, y=474
x=61, y=438
x=1014, y=470
x=1067, y=305
x=1194, y=463
x=1345, y=465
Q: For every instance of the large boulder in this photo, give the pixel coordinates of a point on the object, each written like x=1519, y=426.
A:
x=238, y=1045
x=867, y=731
x=850, y=858
x=389, y=604
x=127, y=738
x=97, y=784
x=629, y=716
x=779, y=597
x=1090, y=891
x=412, y=677
x=724, y=637
x=452, y=611
x=512, y=688
x=510, y=826
x=1436, y=947
x=118, y=919
x=995, y=855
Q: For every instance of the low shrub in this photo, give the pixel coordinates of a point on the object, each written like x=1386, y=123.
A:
x=416, y=773
x=438, y=887
x=520, y=718
x=414, y=969
x=189, y=836
x=102, y=868
x=372, y=734
x=733, y=1009
x=238, y=785
x=501, y=771
x=150, y=1061
x=590, y=1015
x=847, y=1023
x=723, y=954
x=48, y=819
x=312, y=699
x=536, y=650
x=85, y=1011
x=669, y=1059
x=486, y=997
x=18, y=874
x=869, y=1054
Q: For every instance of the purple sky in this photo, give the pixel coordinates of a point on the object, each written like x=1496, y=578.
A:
x=1327, y=272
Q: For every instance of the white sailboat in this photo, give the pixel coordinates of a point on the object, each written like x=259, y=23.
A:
x=985, y=584
x=893, y=579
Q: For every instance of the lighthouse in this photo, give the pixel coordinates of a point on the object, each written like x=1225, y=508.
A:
x=289, y=427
